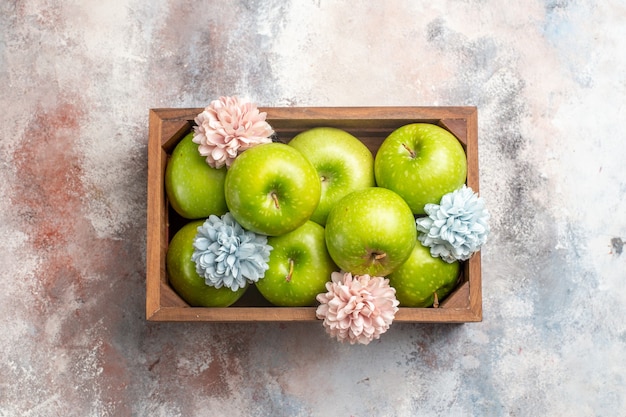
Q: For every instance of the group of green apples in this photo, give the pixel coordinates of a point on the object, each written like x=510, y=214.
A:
x=326, y=203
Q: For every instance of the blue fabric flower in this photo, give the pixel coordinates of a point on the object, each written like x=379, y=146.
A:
x=227, y=255
x=456, y=227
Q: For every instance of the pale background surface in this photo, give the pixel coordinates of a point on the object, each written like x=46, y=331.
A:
x=78, y=78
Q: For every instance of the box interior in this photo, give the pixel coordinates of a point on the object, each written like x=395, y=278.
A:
x=371, y=132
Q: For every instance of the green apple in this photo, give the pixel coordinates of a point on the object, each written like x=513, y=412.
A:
x=299, y=267
x=370, y=231
x=185, y=280
x=194, y=189
x=272, y=189
x=343, y=163
x=421, y=162
x=418, y=279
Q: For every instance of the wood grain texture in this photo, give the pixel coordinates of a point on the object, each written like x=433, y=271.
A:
x=371, y=125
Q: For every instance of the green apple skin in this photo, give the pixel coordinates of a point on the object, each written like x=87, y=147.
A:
x=272, y=189
x=421, y=276
x=194, y=189
x=296, y=285
x=343, y=163
x=370, y=231
x=421, y=162
x=185, y=280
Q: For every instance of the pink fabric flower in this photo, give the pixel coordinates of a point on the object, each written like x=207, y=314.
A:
x=227, y=127
x=357, y=308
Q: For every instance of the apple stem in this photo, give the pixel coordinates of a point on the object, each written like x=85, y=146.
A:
x=379, y=256
x=275, y=198
x=290, y=274
x=409, y=150
x=436, y=302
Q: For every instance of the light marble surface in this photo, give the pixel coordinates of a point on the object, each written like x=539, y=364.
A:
x=78, y=78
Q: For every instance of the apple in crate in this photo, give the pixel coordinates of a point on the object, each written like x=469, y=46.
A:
x=370, y=231
x=421, y=162
x=183, y=277
x=343, y=163
x=194, y=189
x=272, y=189
x=418, y=279
x=299, y=267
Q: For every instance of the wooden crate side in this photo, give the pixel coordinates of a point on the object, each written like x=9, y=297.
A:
x=473, y=181
x=237, y=314
x=155, y=217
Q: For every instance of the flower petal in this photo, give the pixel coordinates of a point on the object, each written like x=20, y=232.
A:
x=227, y=127
x=222, y=259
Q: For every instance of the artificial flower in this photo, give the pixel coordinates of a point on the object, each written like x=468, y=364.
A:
x=227, y=255
x=227, y=127
x=358, y=308
x=456, y=227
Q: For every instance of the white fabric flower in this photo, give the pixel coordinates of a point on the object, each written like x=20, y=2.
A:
x=227, y=255
x=455, y=228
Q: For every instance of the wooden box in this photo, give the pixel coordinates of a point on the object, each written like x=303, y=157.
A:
x=371, y=125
